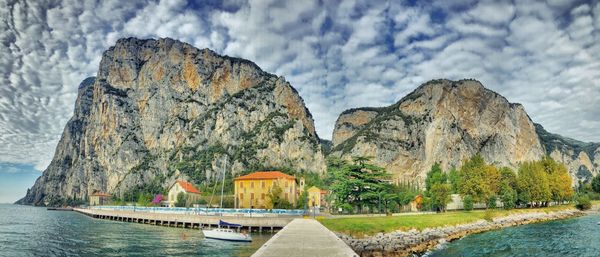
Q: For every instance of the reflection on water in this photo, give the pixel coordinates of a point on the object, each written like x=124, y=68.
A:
x=30, y=231
x=571, y=237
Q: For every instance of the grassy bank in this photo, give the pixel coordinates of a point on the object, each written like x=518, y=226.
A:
x=362, y=226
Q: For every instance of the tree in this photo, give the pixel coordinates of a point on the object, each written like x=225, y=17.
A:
x=302, y=200
x=406, y=193
x=478, y=180
x=533, y=184
x=559, y=181
x=357, y=184
x=437, y=188
x=435, y=176
x=596, y=183
x=468, y=202
x=491, y=203
x=454, y=179
x=144, y=199
x=507, y=189
x=440, y=196
x=508, y=198
x=181, y=200
x=583, y=202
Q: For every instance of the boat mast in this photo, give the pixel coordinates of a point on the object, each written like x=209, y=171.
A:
x=222, y=186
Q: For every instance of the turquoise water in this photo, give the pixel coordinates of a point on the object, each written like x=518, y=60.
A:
x=31, y=231
x=571, y=237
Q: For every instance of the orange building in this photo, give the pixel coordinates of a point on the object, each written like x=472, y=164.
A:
x=252, y=190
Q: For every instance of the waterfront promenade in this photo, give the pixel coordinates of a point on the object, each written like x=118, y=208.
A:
x=254, y=224
x=304, y=237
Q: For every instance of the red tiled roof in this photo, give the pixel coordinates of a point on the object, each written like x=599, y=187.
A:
x=101, y=194
x=188, y=187
x=265, y=175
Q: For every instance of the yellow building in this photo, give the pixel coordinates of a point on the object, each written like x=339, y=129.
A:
x=314, y=197
x=252, y=190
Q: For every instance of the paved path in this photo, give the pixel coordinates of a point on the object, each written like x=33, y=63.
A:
x=304, y=237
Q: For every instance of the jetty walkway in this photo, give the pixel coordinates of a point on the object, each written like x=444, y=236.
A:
x=304, y=237
x=253, y=224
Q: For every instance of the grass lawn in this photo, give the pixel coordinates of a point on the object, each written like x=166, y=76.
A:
x=362, y=226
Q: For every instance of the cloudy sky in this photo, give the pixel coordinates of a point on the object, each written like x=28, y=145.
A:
x=339, y=55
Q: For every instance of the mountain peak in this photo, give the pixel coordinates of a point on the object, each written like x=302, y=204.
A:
x=162, y=110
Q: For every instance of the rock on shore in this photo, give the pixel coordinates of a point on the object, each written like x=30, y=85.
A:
x=405, y=243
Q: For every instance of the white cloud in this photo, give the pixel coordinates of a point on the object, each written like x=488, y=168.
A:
x=357, y=53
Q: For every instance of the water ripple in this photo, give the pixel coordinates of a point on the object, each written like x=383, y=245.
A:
x=571, y=237
x=30, y=231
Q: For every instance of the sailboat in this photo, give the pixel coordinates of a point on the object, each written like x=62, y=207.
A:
x=227, y=234
x=224, y=231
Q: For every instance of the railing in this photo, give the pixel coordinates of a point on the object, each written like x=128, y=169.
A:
x=205, y=211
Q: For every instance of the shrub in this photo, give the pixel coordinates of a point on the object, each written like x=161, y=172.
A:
x=596, y=184
x=508, y=199
x=468, y=202
x=583, y=203
x=489, y=215
x=491, y=204
x=181, y=200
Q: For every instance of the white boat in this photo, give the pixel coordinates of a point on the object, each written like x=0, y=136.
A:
x=227, y=234
x=224, y=231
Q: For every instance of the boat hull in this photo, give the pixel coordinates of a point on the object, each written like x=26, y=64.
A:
x=227, y=236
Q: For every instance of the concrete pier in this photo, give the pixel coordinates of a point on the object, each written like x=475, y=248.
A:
x=254, y=224
x=304, y=237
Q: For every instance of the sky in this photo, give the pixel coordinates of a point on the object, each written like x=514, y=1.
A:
x=338, y=54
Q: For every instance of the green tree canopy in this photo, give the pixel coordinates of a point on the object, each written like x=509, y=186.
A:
x=435, y=176
x=358, y=184
x=181, y=200
x=596, y=184
x=533, y=183
x=478, y=180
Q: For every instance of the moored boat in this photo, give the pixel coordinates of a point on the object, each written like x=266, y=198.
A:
x=227, y=234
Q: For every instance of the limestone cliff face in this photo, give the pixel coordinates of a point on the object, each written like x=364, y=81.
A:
x=441, y=121
x=162, y=109
x=582, y=159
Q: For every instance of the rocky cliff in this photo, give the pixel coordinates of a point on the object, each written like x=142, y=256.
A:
x=447, y=122
x=162, y=109
x=582, y=159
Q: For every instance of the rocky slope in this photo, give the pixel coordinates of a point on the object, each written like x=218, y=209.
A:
x=162, y=109
x=582, y=159
x=448, y=121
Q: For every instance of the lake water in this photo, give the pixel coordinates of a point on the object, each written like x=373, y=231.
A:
x=34, y=231
x=571, y=237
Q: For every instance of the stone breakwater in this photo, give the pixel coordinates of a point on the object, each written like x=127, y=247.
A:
x=406, y=243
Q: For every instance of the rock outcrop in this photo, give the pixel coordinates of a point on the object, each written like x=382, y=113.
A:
x=447, y=122
x=162, y=109
x=414, y=242
x=582, y=159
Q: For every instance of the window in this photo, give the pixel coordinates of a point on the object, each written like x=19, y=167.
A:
x=251, y=196
x=262, y=196
x=286, y=197
x=262, y=184
x=286, y=184
x=241, y=184
x=241, y=196
x=252, y=184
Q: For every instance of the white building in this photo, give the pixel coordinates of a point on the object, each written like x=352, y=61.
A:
x=182, y=186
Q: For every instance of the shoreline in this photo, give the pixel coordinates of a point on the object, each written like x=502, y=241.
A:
x=407, y=243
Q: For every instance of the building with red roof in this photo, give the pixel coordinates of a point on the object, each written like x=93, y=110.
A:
x=252, y=190
x=191, y=193
x=100, y=198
